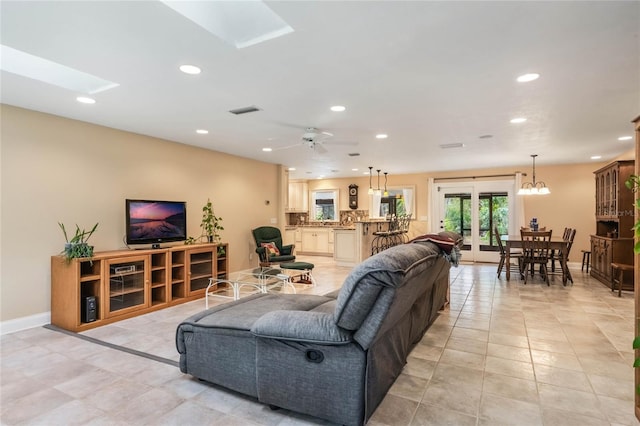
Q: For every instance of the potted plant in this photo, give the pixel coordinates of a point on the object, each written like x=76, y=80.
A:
x=77, y=246
x=210, y=223
x=633, y=183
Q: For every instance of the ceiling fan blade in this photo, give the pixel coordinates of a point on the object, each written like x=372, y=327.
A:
x=340, y=143
x=285, y=147
x=318, y=148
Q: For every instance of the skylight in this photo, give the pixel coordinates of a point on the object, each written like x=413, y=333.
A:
x=239, y=23
x=26, y=65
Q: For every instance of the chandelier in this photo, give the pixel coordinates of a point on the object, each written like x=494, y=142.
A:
x=534, y=188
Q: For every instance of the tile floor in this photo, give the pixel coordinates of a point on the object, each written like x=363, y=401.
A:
x=502, y=353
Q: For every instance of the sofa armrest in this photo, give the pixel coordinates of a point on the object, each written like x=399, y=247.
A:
x=301, y=326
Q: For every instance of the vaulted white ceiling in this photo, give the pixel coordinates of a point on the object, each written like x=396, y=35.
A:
x=425, y=73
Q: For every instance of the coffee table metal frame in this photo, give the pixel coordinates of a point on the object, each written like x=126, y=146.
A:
x=262, y=279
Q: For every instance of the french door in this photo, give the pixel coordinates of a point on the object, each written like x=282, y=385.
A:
x=474, y=209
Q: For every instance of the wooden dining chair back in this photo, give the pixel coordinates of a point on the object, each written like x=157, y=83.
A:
x=566, y=235
x=536, y=250
x=503, y=255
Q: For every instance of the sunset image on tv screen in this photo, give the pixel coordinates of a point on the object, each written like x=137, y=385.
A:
x=156, y=220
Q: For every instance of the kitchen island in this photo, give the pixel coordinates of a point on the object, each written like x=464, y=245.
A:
x=352, y=246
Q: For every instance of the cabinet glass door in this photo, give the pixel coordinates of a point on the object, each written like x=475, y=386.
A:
x=200, y=269
x=127, y=288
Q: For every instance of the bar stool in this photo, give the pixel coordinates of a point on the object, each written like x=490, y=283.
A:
x=619, y=268
x=586, y=259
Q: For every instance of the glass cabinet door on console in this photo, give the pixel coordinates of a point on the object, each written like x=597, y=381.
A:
x=127, y=289
x=201, y=268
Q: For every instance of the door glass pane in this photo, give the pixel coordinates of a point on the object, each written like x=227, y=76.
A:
x=457, y=216
x=493, y=211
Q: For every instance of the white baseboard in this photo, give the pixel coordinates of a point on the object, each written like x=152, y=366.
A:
x=23, y=323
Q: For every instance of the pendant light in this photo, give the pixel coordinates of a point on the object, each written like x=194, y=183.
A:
x=370, y=192
x=386, y=193
x=534, y=188
x=378, y=192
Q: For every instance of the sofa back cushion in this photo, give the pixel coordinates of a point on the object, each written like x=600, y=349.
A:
x=369, y=279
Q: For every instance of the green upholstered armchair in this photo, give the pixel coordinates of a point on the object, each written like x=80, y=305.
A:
x=270, y=234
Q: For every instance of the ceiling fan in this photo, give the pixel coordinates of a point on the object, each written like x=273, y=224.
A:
x=315, y=139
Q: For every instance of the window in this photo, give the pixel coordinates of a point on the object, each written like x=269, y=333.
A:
x=324, y=205
x=398, y=202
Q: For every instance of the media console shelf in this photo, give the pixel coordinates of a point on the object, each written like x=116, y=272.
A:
x=115, y=285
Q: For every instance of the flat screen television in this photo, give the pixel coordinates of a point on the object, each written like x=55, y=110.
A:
x=155, y=222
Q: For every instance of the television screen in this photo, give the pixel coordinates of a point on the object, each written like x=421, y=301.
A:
x=153, y=222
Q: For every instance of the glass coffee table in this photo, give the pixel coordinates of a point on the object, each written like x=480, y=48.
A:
x=262, y=279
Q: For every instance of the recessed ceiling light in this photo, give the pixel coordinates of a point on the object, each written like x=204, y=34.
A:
x=365, y=173
x=528, y=77
x=354, y=170
x=625, y=138
x=202, y=131
x=321, y=177
x=292, y=169
x=85, y=100
x=518, y=120
x=190, y=69
x=267, y=149
x=382, y=136
x=337, y=108
x=596, y=157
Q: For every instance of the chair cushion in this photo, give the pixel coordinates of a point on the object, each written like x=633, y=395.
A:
x=271, y=248
x=301, y=266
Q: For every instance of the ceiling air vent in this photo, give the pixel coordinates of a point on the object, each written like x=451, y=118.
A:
x=244, y=110
x=354, y=154
x=452, y=145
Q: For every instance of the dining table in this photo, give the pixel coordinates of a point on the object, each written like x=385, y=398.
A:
x=558, y=244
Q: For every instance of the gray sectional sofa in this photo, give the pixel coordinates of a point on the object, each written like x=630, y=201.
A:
x=334, y=356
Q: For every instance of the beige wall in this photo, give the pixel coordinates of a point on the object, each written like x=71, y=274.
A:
x=55, y=169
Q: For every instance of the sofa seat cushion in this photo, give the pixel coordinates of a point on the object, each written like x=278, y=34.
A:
x=241, y=314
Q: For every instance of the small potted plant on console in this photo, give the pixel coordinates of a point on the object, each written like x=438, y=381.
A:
x=77, y=246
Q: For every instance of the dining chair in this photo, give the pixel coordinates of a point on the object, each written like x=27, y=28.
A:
x=536, y=250
x=513, y=254
x=569, y=235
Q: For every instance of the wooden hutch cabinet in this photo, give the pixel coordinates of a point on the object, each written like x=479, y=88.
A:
x=613, y=241
x=126, y=283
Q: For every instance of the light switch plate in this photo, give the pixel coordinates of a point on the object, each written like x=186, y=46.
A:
x=274, y=220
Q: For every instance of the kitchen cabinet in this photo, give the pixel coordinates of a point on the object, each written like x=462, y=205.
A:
x=289, y=237
x=317, y=241
x=298, y=197
x=346, y=247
